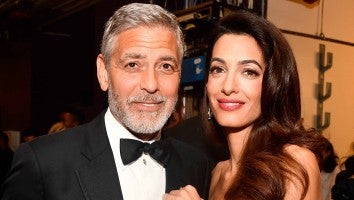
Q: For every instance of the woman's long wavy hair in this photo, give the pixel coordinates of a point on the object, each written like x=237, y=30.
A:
x=265, y=166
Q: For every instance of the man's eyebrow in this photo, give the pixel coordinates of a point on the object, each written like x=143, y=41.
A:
x=128, y=56
x=168, y=58
x=133, y=55
x=142, y=56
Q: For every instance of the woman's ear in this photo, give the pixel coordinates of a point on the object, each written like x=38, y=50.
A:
x=102, y=73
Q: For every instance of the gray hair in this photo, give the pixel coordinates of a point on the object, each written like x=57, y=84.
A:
x=138, y=14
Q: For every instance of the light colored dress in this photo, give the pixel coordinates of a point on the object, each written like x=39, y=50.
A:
x=327, y=182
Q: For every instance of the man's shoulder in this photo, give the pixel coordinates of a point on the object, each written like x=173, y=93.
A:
x=61, y=140
x=68, y=138
x=190, y=124
x=189, y=131
x=187, y=151
x=183, y=146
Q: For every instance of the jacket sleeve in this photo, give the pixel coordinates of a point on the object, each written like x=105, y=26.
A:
x=210, y=165
x=24, y=180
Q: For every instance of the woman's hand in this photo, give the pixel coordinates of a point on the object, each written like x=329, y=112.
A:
x=185, y=193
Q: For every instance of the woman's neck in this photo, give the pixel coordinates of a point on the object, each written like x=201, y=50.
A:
x=236, y=142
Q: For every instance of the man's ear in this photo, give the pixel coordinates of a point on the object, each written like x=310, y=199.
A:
x=102, y=73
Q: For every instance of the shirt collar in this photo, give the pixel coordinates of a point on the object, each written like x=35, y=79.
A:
x=115, y=132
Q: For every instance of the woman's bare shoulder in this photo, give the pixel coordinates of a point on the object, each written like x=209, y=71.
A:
x=308, y=160
x=302, y=155
x=220, y=180
x=219, y=168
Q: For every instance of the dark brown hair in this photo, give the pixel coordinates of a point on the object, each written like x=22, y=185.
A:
x=265, y=166
x=329, y=156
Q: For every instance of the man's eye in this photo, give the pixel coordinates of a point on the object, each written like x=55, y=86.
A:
x=131, y=65
x=166, y=68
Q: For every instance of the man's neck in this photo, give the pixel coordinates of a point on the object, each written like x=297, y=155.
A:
x=147, y=137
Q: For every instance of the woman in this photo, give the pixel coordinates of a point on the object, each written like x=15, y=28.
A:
x=329, y=168
x=254, y=105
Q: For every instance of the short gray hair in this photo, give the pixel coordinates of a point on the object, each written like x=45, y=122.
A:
x=135, y=15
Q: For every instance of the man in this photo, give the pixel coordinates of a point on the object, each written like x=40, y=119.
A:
x=191, y=131
x=6, y=155
x=140, y=68
x=68, y=119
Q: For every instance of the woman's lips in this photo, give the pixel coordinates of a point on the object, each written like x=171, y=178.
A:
x=229, y=104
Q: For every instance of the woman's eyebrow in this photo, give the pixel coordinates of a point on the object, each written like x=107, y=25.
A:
x=242, y=62
x=217, y=59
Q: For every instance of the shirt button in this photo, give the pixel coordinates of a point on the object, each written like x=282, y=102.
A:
x=144, y=161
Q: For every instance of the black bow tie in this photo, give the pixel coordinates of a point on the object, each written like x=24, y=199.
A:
x=131, y=150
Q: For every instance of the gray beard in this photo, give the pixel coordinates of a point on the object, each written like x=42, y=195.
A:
x=142, y=122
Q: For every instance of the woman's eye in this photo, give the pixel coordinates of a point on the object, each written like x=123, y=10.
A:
x=216, y=70
x=251, y=72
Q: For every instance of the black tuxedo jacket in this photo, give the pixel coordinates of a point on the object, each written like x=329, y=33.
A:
x=78, y=164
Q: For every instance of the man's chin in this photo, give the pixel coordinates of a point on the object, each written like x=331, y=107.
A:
x=144, y=130
x=146, y=125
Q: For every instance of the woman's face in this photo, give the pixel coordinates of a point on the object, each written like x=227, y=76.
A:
x=235, y=81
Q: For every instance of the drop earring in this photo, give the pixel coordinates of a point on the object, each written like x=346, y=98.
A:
x=210, y=114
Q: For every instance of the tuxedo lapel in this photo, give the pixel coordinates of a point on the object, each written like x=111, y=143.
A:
x=99, y=179
x=187, y=166
x=174, y=176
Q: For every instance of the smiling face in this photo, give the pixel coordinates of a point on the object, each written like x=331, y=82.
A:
x=235, y=81
x=142, y=78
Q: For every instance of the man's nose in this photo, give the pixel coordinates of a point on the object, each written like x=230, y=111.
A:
x=149, y=80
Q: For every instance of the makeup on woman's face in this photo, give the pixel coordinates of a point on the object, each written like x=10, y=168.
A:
x=235, y=80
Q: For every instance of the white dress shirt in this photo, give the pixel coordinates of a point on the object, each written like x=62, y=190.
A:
x=144, y=179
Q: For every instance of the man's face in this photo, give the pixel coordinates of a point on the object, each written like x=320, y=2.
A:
x=142, y=78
